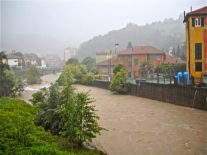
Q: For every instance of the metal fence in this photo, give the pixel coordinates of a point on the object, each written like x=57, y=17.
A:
x=180, y=95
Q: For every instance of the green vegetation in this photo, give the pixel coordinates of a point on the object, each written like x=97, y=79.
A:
x=33, y=75
x=169, y=69
x=19, y=135
x=146, y=68
x=73, y=61
x=89, y=63
x=79, y=74
x=118, y=83
x=10, y=84
x=65, y=112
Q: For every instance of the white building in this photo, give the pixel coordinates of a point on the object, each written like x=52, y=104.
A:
x=69, y=53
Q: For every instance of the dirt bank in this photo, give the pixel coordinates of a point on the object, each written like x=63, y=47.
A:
x=139, y=126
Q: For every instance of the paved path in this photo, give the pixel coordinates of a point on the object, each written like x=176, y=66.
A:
x=139, y=126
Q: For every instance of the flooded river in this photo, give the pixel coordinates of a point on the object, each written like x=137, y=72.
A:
x=29, y=90
x=139, y=126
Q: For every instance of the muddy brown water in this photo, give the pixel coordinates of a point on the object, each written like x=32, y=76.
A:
x=139, y=126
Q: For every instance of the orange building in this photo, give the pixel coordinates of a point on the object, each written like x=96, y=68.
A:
x=196, y=45
x=131, y=58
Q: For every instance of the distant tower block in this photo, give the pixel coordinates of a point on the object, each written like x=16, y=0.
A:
x=69, y=53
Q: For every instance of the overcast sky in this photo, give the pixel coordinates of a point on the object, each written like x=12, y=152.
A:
x=43, y=26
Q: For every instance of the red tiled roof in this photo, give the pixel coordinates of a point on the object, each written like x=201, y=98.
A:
x=141, y=50
x=173, y=60
x=201, y=11
x=112, y=61
x=103, y=52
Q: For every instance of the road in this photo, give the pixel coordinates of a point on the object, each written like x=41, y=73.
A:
x=139, y=126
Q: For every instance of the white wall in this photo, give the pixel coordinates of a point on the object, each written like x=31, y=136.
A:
x=13, y=62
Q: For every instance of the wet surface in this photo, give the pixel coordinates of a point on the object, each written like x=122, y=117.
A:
x=30, y=89
x=139, y=126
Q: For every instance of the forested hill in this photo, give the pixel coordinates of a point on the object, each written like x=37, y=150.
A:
x=165, y=34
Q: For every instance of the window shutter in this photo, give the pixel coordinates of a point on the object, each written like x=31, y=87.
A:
x=193, y=22
x=202, y=21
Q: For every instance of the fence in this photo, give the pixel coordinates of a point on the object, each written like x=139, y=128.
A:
x=181, y=95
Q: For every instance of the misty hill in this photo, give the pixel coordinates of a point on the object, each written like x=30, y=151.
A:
x=169, y=33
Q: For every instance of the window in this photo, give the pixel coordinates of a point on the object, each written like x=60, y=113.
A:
x=158, y=58
x=198, y=22
x=103, y=69
x=136, y=61
x=198, y=66
x=198, y=51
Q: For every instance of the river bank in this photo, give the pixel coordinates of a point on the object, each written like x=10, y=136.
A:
x=30, y=89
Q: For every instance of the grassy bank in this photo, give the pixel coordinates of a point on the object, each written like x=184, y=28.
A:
x=20, y=136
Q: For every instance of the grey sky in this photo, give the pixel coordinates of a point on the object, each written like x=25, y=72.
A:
x=44, y=26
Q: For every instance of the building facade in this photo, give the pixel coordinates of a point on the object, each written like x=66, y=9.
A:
x=133, y=58
x=69, y=53
x=196, y=44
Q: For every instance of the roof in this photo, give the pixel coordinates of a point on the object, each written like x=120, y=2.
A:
x=141, y=50
x=173, y=60
x=201, y=11
x=103, y=52
x=112, y=61
x=14, y=57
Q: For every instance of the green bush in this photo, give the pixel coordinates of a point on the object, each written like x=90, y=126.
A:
x=33, y=75
x=87, y=79
x=118, y=82
x=18, y=133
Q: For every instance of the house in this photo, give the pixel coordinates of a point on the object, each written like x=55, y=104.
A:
x=69, y=53
x=106, y=67
x=196, y=44
x=132, y=59
x=103, y=55
x=15, y=61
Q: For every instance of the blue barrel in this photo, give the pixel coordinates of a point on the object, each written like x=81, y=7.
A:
x=179, y=78
x=186, y=77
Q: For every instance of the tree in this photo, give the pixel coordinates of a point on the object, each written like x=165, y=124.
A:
x=33, y=75
x=118, y=83
x=10, y=84
x=146, y=68
x=89, y=63
x=118, y=68
x=85, y=121
x=73, y=61
x=68, y=113
x=129, y=44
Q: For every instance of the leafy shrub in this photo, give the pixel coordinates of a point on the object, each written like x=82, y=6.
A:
x=33, y=75
x=118, y=83
x=20, y=136
x=69, y=113
x=17, y=130
x=87, y=79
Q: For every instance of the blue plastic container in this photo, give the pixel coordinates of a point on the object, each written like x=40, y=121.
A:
x=186, y=77
x=179, y=78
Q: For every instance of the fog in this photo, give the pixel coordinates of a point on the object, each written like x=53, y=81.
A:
x=50, y=26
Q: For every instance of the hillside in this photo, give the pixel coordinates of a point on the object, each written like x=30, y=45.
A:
x=169, y=33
